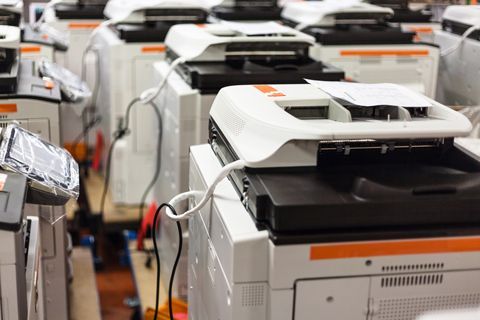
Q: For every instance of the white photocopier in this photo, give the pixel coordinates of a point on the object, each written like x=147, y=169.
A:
x=35, y=104
x=36, y=43
x=357, y=37
x=127, y=50
x=341, y=211
x=34, y=172
x=246, y=10
x=20, y=268
x=412, y=17
x=459, y=44
x=217, y=55
x=76, y=19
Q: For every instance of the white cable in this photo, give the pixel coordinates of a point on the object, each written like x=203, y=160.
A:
x=149, y=95
x=206, y=195
x=53, y=223
x=47, y=7
x=456, y=46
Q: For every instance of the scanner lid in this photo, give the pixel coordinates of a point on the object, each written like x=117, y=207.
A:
x=279, y=117
x=332, y=12
x=210, y=42
x=134, y=11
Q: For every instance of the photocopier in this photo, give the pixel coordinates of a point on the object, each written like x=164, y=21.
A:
x=412, y=17
x=127, y=50
x=339, y=210
x=34, y=172
x=217, y=55
x=357, y=37
x=34, y=103
x=76, y=19
x=459, y=42
x=36, y=43
x=20, y=252
x=246, y=10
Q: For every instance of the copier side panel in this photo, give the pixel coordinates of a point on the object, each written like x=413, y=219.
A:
x=386, y=63
x=392, y=296
x=457, y=84
x=297, y=262
x=215, y=260
x=13, y=302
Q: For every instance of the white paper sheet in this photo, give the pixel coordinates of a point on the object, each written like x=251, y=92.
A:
x=257, y=28
x=369, y=95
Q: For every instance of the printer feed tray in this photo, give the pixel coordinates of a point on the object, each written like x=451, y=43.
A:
x=210, y=77
x=363, y=196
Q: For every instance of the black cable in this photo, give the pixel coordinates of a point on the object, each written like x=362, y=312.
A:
x=158, y=163
x=118, y=134
x=157, y=257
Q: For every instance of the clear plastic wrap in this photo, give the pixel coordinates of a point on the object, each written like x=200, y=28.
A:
x=52, y=168
x=59, y=38
x=73, y=88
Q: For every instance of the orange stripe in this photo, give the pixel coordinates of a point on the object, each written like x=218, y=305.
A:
x=34, y=49
x=372, y=53
x=421, y=29
x=89, y=25
x=394, y=248
x=11, y=107
x=265, y=88
x=153, y=49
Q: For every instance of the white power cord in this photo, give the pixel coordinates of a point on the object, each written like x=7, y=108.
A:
x=206, y=195
x=149, y=95
x=455, y=47
x=47, y=7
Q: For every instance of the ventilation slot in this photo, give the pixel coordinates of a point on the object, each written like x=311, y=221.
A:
x=414, y=267
x=413, y=280
x=411, y=308
x=253, y=295
x=232, y=120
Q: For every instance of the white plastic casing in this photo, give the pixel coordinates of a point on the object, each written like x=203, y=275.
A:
x=245, y=114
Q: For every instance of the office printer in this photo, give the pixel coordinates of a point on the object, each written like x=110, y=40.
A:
x=149, y=21
x=358, y=38
x=247, y=10
x=342, y=210
x=34, y=103
x=217, y=55
x=457, y=85
x=127, y=50
x=20, y=252
x=39, y=173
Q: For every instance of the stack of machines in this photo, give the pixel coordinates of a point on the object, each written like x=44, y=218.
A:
x=393, y=235
x=128, y=49
x=358, y=38
x=34, y=173
x=217, y=55
x=34, y=103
